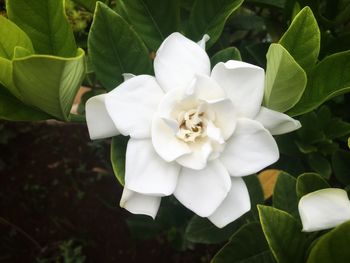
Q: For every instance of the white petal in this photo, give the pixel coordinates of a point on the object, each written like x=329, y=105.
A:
x=203, y=41
x=100, y=125
x=203, y=87
x=146, y=172
x=250, y=149
x=128, y=76
x=198, y=157
x=324, y=209
x=202, y=191
x=276, y=122
x=165, y=142
x=236, y=203
x=225, y=116
x=132, y=105
x=243, y=83
x=140, y=204
x=177, y=61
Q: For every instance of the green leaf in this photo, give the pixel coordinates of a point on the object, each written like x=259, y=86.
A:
x=275, y=3
x=153, y=20
x=243, y=248
x=329, y=78
x=320, y=164
x=285, y=80
x=310, y=182
x=10, y=37
x=115, y=48
x=302, y=39
x=256, y=193
x=201, y=230
x=6, y=75
x=332, y=247
x=230, y=53
x=49, y=83
x=45, y=23
x=209, y=17
x=283, y=234
x=118, y=150
x=337, y=128
x=341, y=166
x=87, y=4
x=12, y=109
x=284, y=195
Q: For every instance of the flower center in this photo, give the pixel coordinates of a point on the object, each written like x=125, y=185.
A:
x=192, y=125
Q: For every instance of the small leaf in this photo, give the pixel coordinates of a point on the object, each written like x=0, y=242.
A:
x=230, y=53
x=332, y=247
x=328, y=79
x=118, y=150
x=243, y=248
x=284, y=195
x=45, y=23
x=285, y=80
x=12, y=36
x=115, y=48
x=310, y=182
x=283, y=234
x=320, y=164
x=302, y=39
x=153, y=20
x=209, y=17
x=49, y=83
x=341, y=166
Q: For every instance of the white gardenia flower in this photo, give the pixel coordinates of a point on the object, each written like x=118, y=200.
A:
x=324, y=209
x=194, y=132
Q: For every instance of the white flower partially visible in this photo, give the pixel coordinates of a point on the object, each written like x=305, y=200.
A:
x=324, y=209
x=193, y=132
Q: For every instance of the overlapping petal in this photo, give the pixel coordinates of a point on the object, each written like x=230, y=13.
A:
x=139, y=203
x=178, y=60
x=243, y=83
x=132, y=105
x=146, y=172
x=236, y=203
x=202, y=191
x=324, y=209
x=250, y=149
x=276, y=122
x=100, y=124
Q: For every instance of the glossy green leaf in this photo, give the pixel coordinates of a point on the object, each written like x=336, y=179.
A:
x=284, y=194
x=230, y=53
x=12, y=109
x=49, y=83
x=332, y=247
x=115, y=48
x=201, y=230
x=153, y=20
x=10, y=37
x=341, y=166
x=256, y=193
x=320, y=164
x=283, y=234
x=310, y=182
x=6, y=75
x=209, y=17
x=285, y=80
x=302, y=39
x=118, y=150
x=243, y=248
x=46, y=24
x=329, y=78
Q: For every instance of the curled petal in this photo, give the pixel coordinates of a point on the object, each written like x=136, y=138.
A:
x=243, y=83
x=203, y=41
x=236, y=203
x=324, y=209
x=250, y=149
x=202, y=191
x=132, y=105
x=178, y=60
x=146, y=172
x=276, y=122
x=198, y=157
x=139, y=203
x=100, y=124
